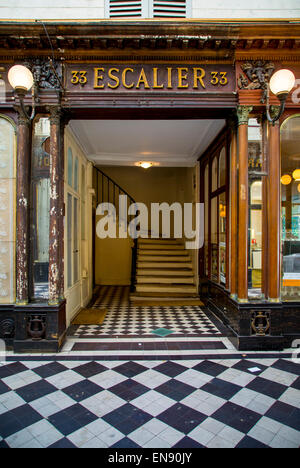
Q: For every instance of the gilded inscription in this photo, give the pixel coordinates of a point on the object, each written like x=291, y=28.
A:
x=149, y=78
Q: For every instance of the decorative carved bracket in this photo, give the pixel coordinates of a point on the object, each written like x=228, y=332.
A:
x=43, y=73
x=256, y=75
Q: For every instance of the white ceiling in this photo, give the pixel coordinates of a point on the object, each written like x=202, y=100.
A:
x=165, y=142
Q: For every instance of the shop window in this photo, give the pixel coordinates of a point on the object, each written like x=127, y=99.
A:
x=214, y=239
x=214, y=179
x=40, y=192
x=69, y=240
x=206, y=219
x=7, y=210
x=222, y=237
x=290, y=208
x=255, y=234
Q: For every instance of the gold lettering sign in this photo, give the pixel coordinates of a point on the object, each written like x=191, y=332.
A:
x=189, y=78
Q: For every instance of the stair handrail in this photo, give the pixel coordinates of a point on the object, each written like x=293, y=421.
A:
x=131, y=201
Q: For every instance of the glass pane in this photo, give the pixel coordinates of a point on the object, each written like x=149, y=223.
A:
x=75, y=245
x=214, y=239
x=222, y=237
x=290, y=189
x=255, y=146
x=255, y=241
x=222, y=168
x=214, y=175
x=76, y=175
x=69, y=240
x=70, y=167
x=206, y=211
x=39, y=228
x=255, y=165
x=83, y=196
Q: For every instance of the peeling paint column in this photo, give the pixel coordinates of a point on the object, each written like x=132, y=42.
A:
x=63, y=124
x=22, y=209
x=55, y=234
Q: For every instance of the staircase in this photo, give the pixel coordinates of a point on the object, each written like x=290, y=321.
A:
x=164, y=274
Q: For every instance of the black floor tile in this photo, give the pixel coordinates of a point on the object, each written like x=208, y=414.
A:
x=12, y=369
x=186, y=442
x=175, y=390
x=237, y=417
x=221, y=388
x=3, y=445
x=63, y=443
x=3, y=388
x=182, y=418
x=267, y=387
x=171, y=369
x=129, y=390
x=49, y=370
x=36, y=390
x=244, y=365
x=130, y=369
x=82, y=390
x=287, y=366
x=125, y=444
x=211, y=368
x=71, y=419
x=296, y=384
x=248, y=442
x=285, y=414
x=90, y=369
x=9, y=425
x=127, y=418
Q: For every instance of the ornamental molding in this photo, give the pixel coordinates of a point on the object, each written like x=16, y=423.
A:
x=256, y=74
x=43, y=73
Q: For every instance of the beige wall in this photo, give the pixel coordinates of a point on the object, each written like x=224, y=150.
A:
x=7, y=211
x=155, y=185
x=113, y=261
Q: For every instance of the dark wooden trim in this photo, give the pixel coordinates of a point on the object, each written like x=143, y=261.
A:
x=233, y=213
x=243, y=222
x=274, y=212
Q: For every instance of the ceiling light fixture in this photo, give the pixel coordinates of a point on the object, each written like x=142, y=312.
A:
x=145, y=164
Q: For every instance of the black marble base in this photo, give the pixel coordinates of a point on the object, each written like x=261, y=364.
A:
x=256, y=325
x=35, y=327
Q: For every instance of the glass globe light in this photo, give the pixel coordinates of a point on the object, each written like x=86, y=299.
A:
x=296, y=174
x=286, y=179
x=20, y=78
x=282, y=82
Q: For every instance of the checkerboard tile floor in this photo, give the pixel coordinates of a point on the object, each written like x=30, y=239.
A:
x=123, y=319
x=63, y=402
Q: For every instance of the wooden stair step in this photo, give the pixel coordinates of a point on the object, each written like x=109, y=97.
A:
x=161, y=246
x=165, y=279
x=159, y=241
x=158, y=288
x=164, y=265
x=179, y=253
x=165, y=272
x=162, y=258
x=143, y=301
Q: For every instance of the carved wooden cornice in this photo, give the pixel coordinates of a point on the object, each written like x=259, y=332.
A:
x=191, y=37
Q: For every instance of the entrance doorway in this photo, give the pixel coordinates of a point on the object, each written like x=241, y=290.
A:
x=101, y=158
